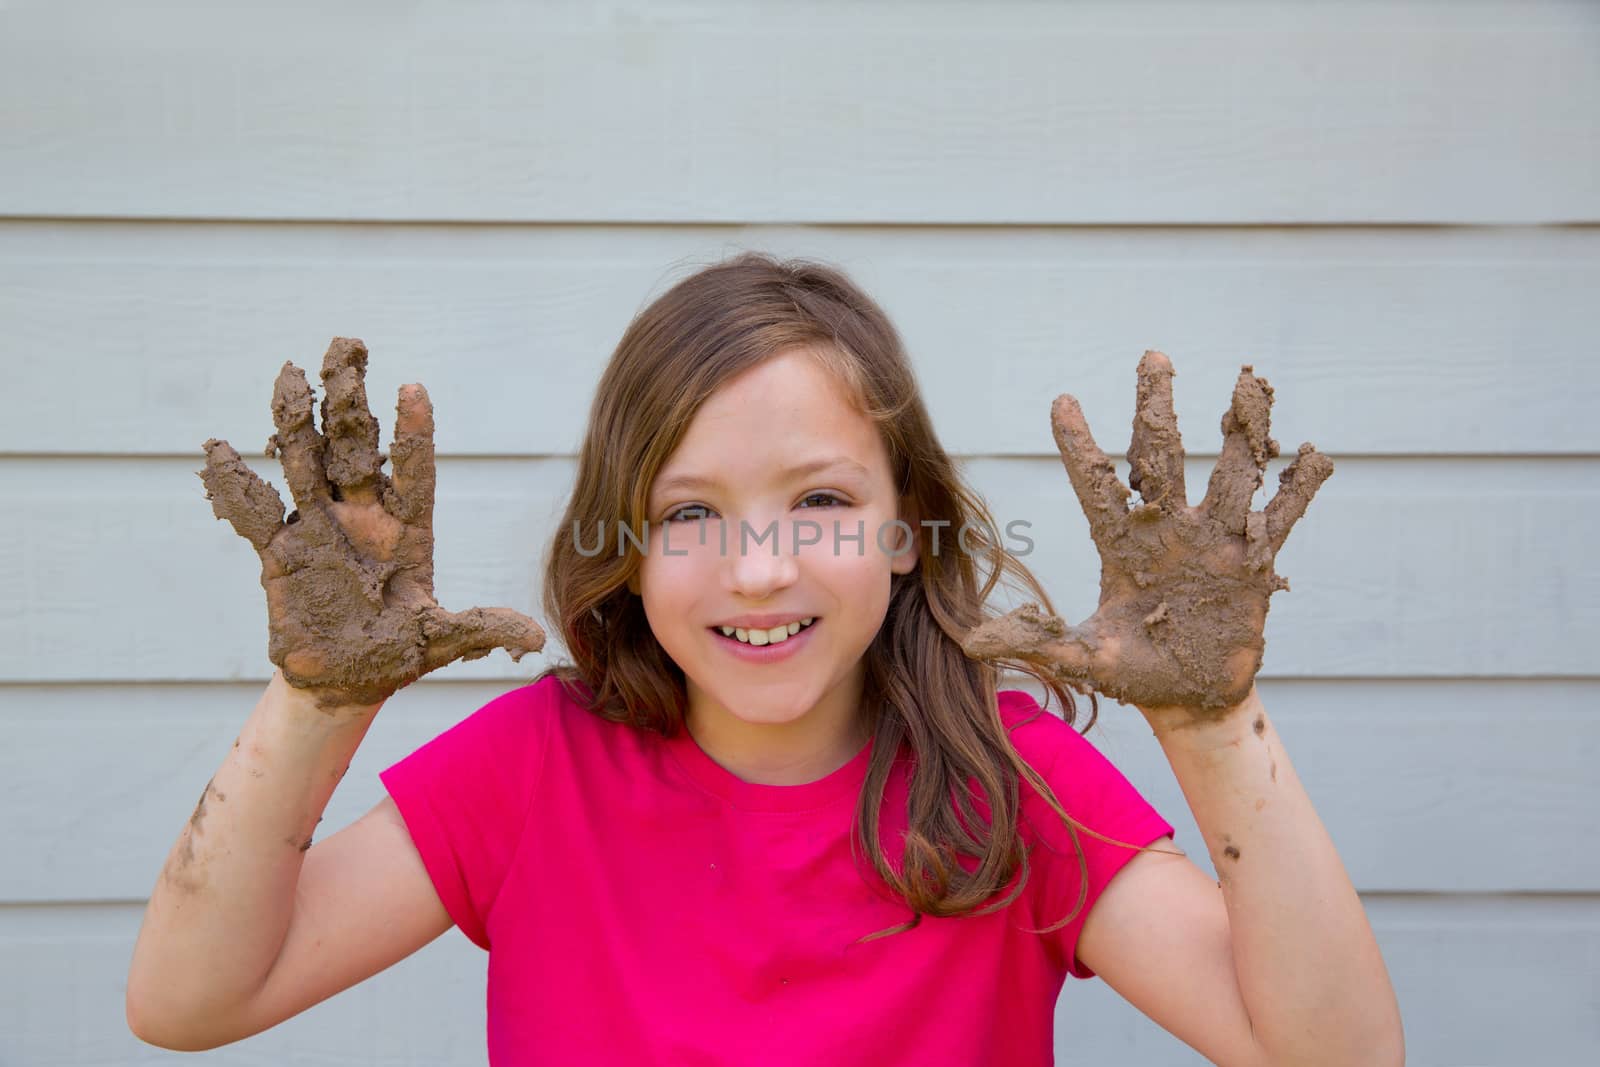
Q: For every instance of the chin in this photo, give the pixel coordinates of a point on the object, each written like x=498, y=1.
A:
x=772, y=710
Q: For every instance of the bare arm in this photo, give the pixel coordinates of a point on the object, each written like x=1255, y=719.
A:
x=220, y=909
x=1278, y=964
x=245, y=926
x=1309, y=969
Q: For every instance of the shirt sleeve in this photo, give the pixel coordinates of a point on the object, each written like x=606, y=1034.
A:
x=1097, y=795
x=465, y=796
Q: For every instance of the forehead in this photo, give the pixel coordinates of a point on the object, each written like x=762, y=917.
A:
x=833, y=467
x=786, y=416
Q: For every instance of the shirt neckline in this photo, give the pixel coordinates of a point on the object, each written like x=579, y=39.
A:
x=757, y=796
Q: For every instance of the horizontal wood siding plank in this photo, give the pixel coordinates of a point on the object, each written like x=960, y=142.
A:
x=1018, y=112
x=150, y=338
x=1411, y=778
x=117, y=570
x=1487, y=981
x=64, y=986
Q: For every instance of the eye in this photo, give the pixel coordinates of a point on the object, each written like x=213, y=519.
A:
x=828, y=498
x=684, y=514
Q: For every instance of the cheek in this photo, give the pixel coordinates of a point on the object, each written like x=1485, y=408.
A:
x=674, y=582
x=863, y=582
x=668, y=602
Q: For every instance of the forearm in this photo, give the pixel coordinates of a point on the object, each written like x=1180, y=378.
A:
x=219, y=911
x=1309, y=968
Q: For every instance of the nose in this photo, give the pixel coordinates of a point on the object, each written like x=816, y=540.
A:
x=757, y=567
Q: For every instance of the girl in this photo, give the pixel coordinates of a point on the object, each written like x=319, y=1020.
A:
x=774, y=810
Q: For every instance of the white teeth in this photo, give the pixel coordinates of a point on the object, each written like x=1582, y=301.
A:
x=773, y=636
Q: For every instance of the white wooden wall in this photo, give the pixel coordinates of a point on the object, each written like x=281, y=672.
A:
x=1389, y=209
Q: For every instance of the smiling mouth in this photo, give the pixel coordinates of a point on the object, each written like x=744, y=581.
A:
x=761, y=638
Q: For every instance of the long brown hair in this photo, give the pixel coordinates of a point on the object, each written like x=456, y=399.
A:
x=920, y=690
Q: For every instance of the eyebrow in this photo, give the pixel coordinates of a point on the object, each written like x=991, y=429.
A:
x=679, y=482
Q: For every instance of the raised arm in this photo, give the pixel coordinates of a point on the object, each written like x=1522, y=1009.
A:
x=248, y=923
x=219, y=915
x=1276, y=962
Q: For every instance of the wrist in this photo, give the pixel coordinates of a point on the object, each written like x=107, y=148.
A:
x=316, y=705
x=1206, y=728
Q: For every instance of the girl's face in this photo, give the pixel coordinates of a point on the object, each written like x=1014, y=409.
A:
x=743, y=519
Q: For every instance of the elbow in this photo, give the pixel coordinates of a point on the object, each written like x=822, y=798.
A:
x=1383, y=1051
x=1393, y=1053
x=1377, y=1047
x=162, y=1032
x=151, y=1033
x=1389, y=1054
x=1388, y=1047
x=174, y=1040
x=1373, y=1036
x=146, y=1030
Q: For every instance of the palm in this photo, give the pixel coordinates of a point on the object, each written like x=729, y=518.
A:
x=349, y=574
x=1183, y=589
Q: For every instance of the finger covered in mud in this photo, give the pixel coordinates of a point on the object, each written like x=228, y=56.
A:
x=351, y=461
x=1100, y=492
x=1297, y=484
x=411, y=491
x=1247, y=445
x=238, y=494
x=297, y=443
x=1155, y=455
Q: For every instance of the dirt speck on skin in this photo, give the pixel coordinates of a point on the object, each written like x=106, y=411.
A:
x=200, y=808
x=306, y=844
x=180, y=870
x=1183, y=590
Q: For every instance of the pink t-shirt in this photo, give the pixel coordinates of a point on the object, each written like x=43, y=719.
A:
x=642, y=905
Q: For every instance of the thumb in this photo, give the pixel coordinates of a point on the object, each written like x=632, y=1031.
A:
x=474, y=633
x=1029, y=635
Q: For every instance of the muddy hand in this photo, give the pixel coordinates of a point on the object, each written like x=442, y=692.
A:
x=1183, y=590
x=349, y=573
